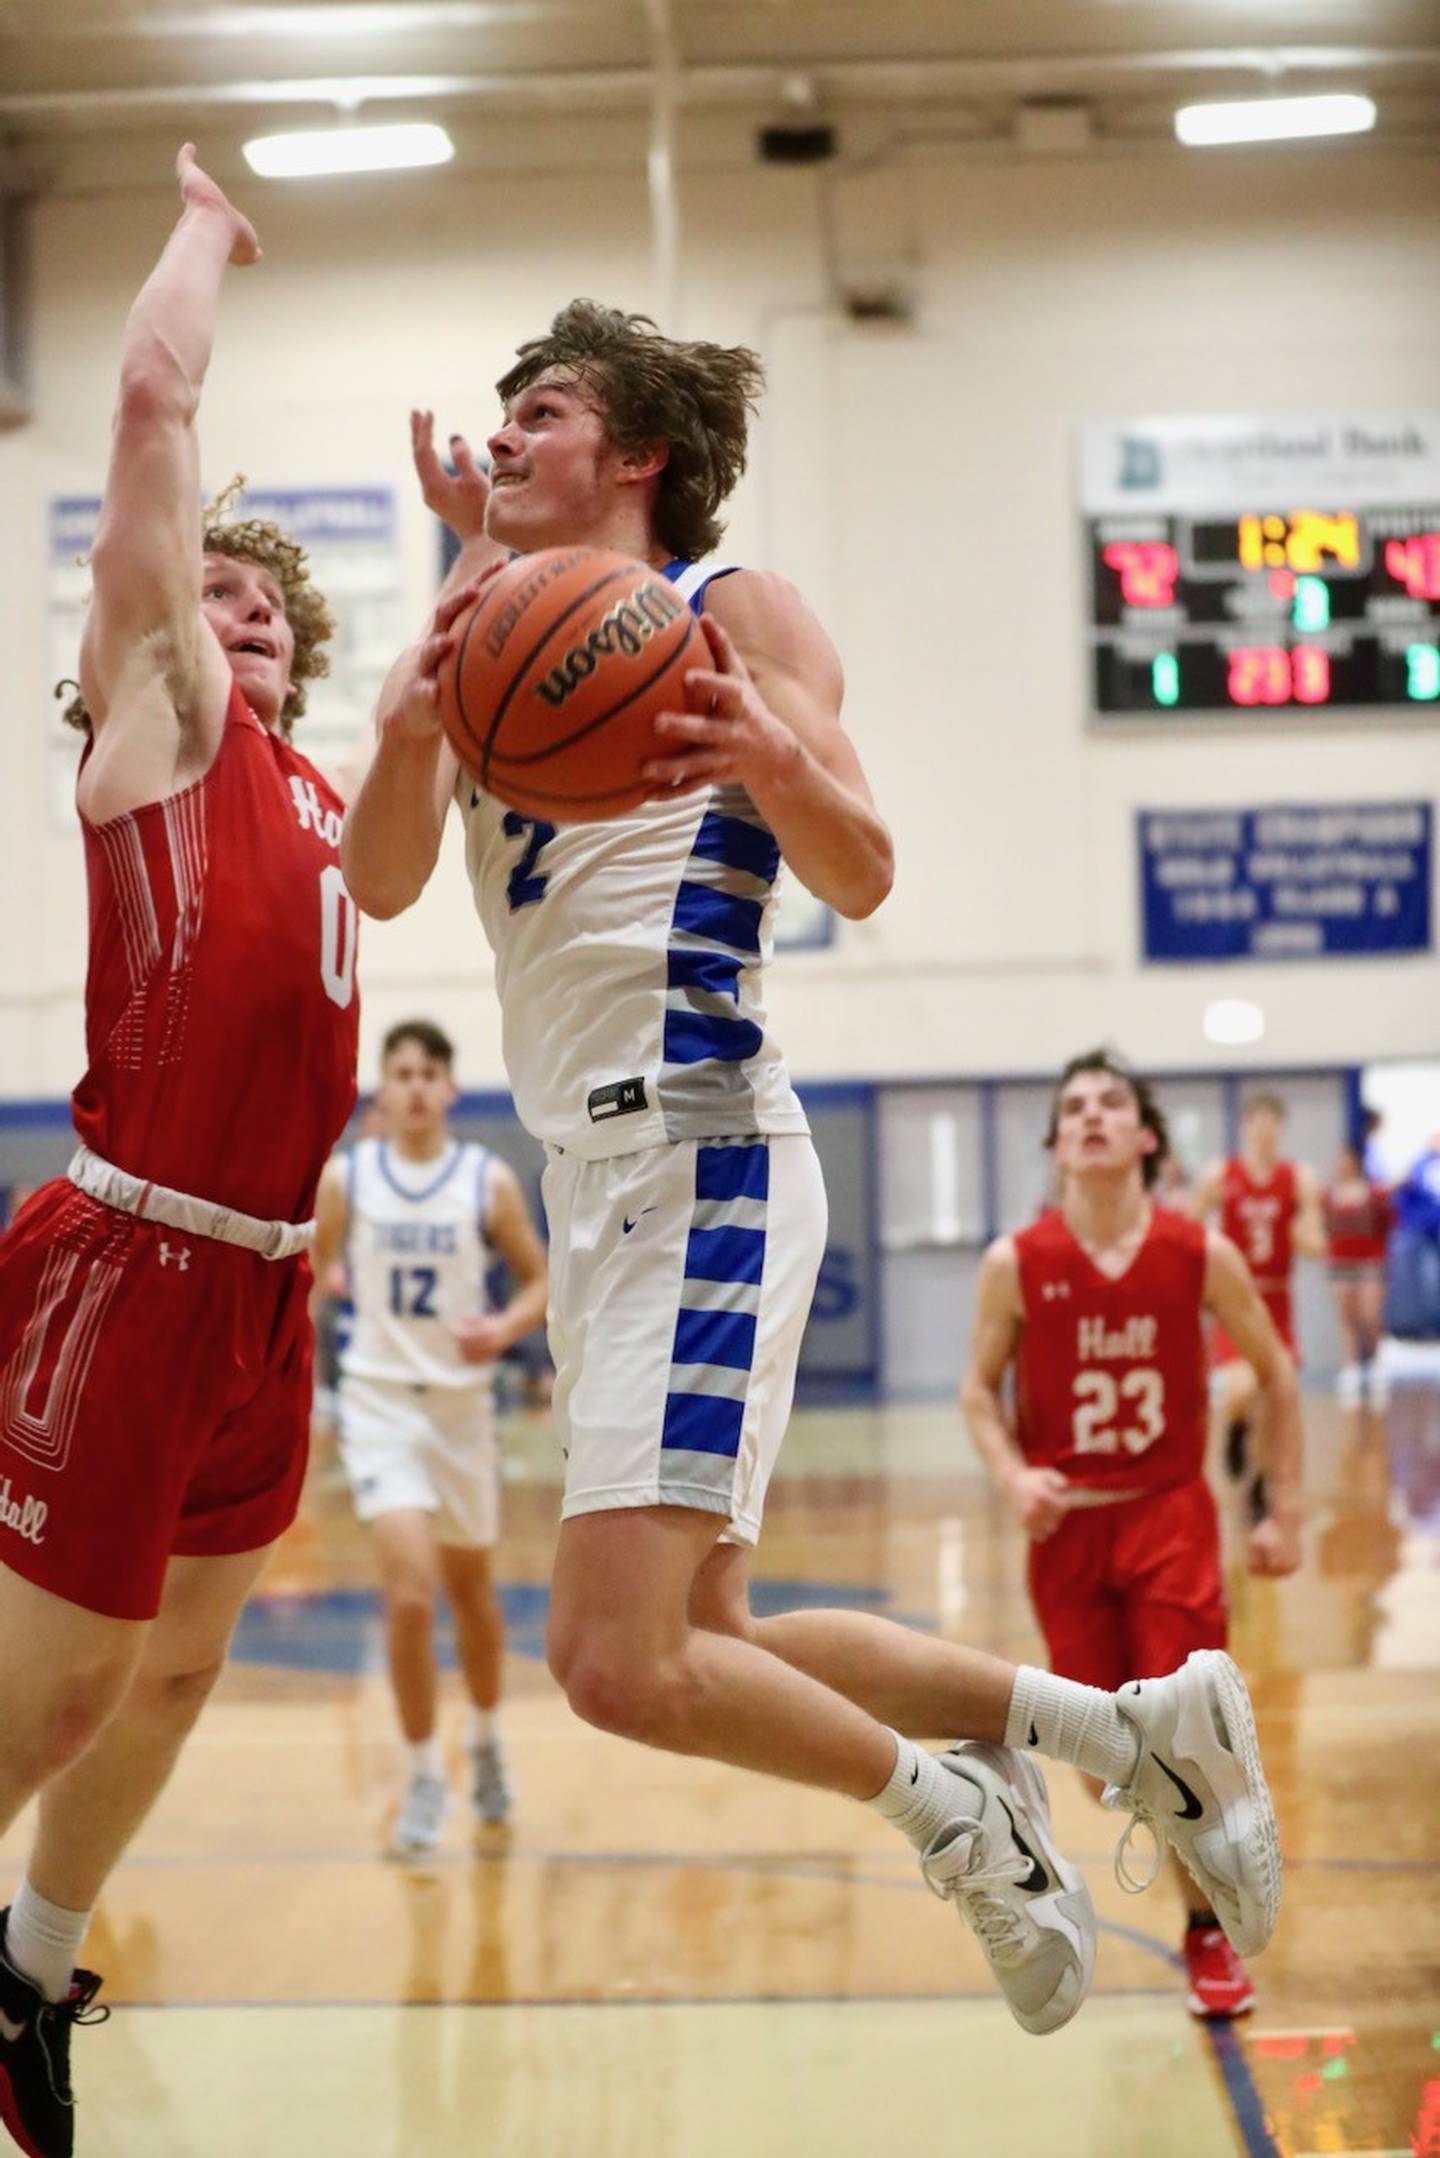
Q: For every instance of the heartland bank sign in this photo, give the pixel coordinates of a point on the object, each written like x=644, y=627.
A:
x=1256, y=462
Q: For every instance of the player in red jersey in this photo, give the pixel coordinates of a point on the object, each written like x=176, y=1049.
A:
x=155, y=1346
x=1098, y=1306
x=1270, y=1210
x=1359, y=1216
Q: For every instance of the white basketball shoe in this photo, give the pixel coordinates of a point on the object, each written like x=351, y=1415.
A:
x=420, y=1823
x=1028, y=1906
x=1198, y=1786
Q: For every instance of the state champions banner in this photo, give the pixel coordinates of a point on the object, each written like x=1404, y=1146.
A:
x=1288, y=881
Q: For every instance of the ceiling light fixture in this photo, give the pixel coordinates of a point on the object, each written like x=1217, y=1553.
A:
x=1274, y=119
x=1233, y=1021
x=311, y=151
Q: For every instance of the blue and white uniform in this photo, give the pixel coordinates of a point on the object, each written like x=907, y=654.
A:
x=417, y=1423
x=686, y=1210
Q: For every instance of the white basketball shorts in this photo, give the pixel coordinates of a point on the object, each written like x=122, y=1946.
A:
x=680, y=1284
x=428, y=1447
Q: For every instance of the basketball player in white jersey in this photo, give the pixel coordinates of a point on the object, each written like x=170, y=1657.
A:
x=420, y=1217
x=686, y=1211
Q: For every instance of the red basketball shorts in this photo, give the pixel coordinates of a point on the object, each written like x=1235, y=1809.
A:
x=1127, y=1591
x=154, y=1399
x=1277, y=1302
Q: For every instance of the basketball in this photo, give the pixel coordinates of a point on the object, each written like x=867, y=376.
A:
x=558, y=671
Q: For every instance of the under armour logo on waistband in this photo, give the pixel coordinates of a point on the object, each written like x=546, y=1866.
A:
x=178, y=1253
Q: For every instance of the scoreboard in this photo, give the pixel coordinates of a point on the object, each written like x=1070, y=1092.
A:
x=1303, y=607
x=1267, y=602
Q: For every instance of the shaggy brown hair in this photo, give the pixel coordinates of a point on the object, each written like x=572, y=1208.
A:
x=696, y=398
x=255, y=539
x=1152, y=1116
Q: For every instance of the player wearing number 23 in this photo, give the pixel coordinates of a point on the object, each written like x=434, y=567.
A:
x=155, y=1347
x=1098, y=1305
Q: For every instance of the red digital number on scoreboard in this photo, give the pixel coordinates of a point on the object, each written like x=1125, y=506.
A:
x=1268, y=674
x=1148, y=571
x=1415, y=563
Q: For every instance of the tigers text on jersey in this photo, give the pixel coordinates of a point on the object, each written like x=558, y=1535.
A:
x=1257, y=1218
x=1110, y=1375
x=629, y=957
x=417, y=1260
x=221, y=1016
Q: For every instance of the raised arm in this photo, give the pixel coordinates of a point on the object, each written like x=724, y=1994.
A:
x=1230, y=1293
x=154, y=679
x=400, y=791
x=766, y=712
x=1038, y=1496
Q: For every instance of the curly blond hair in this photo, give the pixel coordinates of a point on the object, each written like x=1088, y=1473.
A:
x=697, y=398
x=256, y=539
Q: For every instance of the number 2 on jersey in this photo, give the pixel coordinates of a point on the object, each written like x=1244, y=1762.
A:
x=1098, y=1398
x=525, y=889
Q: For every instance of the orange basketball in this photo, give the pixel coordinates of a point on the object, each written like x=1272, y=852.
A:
x=550, y=693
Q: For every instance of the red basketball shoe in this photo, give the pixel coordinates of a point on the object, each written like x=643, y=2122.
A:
x=1219, y=1982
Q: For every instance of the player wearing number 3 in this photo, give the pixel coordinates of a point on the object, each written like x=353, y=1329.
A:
x=155, y=1347
x=1098, y=1307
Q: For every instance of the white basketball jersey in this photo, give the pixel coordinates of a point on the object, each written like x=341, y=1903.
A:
x=417, y=1260
x=629, y=959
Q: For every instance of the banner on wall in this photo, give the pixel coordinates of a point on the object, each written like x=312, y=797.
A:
x=1290, y=881
x=352, y=539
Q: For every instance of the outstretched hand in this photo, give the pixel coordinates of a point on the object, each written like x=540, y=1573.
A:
x=457, y=497
x=199, y=192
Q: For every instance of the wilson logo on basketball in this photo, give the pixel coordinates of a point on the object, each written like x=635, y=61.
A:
x=627, y=628
x=545, y=572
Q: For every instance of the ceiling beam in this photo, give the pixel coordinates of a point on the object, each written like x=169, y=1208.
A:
x=878, y=80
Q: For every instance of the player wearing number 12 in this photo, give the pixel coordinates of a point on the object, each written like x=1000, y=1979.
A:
x=1098, y=1305
x=155, y=1347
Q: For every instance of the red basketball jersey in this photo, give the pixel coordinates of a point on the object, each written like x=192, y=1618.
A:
x=221, y=1016
x=1358, y=1226
x=1110, y=1375
x=1257, y=1218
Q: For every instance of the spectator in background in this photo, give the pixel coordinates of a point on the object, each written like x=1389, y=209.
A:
x=1412, y=1305
x=1358, y=1220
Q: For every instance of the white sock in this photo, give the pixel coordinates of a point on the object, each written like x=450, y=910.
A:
x=921, y=1796
x=1070, y=1722
x=426, y=1757
x=483, y=1728
x=42, y=1940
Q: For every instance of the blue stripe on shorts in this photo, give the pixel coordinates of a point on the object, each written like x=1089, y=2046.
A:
x=711, y=1335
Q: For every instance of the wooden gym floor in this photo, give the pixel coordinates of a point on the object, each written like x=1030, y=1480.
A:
x=678, y=1959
